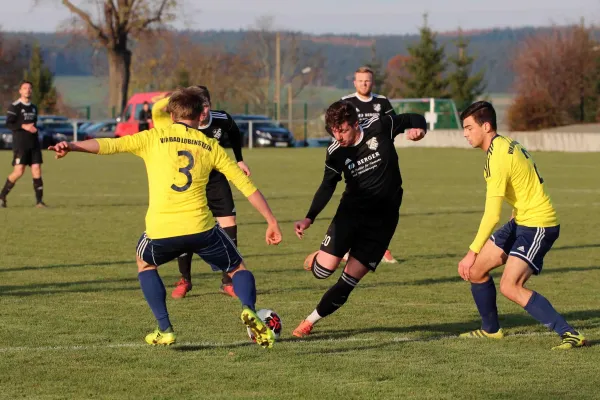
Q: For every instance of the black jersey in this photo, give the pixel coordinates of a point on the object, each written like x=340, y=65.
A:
x=222, y=127
x=375, y=105
x=18, y=114
x=370, y=168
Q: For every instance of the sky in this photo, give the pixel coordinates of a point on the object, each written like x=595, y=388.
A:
x=370, y=17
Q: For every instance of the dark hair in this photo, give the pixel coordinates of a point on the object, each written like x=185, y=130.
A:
x=186, y=104
x=23, y=82
x=204, y=91
x=482, y=112
x=339, y=112
x=145, y=103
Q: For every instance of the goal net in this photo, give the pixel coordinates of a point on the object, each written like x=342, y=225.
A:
x=439, y=113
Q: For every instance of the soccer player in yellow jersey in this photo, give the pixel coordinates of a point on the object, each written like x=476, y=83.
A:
x=178, y=161
x=522, y=243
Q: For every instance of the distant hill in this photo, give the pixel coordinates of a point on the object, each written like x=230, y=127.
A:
x=68, y=55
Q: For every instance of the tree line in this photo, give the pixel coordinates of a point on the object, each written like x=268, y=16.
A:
x=142, y=54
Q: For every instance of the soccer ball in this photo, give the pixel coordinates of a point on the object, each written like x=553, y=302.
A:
x=271, y=319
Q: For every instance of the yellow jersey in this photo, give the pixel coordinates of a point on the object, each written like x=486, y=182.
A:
x=160, y=118
x=178, y=161
x=511, y=173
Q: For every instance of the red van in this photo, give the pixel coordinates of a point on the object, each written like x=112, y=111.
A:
x=128, y=122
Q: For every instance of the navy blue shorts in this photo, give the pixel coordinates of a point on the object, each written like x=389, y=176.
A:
x=213, y=246
x=527, y=243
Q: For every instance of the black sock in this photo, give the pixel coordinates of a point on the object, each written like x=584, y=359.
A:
x=337, y=295
x=185, y=266
x=231, y=231
x=7, y=188
x=38, y=187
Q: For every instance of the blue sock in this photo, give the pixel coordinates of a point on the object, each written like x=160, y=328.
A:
x=155, y=294
x=484, y=295
x=245, y=288
x=541, y=309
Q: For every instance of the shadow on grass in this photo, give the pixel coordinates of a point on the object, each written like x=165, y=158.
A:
x=132, y=263
x=507, y=321
x=132, y=283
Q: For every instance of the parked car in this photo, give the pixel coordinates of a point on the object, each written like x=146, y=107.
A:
x=266, y=133
x=6, y=137
x=103, y=129
x=51, y=130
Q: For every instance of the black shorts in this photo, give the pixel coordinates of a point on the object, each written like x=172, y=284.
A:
x=367, y=237
x=219, y=196
x=27, y=155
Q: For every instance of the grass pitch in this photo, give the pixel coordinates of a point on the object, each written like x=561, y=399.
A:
x=74, y=318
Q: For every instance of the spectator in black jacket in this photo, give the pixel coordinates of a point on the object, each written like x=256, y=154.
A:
x=145, y=117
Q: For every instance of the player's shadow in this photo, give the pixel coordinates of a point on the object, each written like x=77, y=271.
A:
x=507, y=321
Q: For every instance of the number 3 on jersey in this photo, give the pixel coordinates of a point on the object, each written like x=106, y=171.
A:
x=186, y=171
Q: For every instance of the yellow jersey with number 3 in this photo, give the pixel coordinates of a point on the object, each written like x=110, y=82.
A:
x=178, y=161
x=510, y=172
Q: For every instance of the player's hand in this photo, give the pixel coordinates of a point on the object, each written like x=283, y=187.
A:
x=61, y=149
x=301, y=226
x=244, y=168
x=414, y=134
x=273, y=236
x=29, y=128
x=464, y=266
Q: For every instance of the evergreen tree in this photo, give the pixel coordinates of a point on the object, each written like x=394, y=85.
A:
x=426, y=67
x=44, y=93
x=464, y=88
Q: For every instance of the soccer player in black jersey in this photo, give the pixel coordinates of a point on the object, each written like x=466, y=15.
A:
x=217, y=125
x=21, y=119
x=369, y=104
x=366, y=219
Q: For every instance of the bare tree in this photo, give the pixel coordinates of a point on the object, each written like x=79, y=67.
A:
x=164, y=62
x=552, y=75
x=395, y=76
x=299, y=66
x=11, y=70
x=117, y=23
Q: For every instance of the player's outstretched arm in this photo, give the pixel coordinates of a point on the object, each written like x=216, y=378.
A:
x=322, y=197
x=412, y=125
x=273, y=235
x=63, y=148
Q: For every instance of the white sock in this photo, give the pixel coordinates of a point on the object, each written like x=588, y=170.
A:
x=314, y=317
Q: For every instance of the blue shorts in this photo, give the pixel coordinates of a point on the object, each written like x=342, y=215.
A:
x=213, y=246
x=527, y=243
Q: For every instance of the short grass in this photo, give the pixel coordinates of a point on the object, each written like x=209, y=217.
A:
x=73, y=316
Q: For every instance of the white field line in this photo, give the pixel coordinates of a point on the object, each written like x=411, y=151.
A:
x=239, y=343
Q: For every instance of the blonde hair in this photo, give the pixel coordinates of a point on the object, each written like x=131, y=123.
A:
x=186, y=103
x=363, y=70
